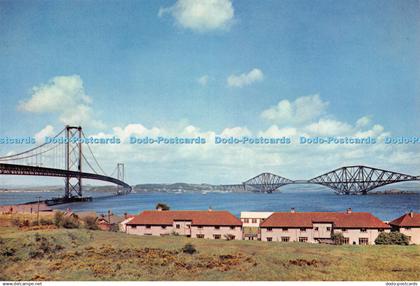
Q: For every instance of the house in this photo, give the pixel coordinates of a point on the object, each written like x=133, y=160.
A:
x=408, y=224
x=197, y=224
x=251, y=223
x=109, y=222
x=316, y=227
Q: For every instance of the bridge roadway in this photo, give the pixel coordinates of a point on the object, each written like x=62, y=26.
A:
x=11, y=169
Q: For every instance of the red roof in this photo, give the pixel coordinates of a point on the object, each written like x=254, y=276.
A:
x=339, y=220
x=410, y=219
x=196, y=218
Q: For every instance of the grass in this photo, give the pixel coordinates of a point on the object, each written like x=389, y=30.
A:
x=80, y=254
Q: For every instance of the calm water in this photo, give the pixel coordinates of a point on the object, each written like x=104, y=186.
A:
x=303, y=198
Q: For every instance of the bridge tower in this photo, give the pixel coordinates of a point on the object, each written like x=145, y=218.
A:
x=120, y=176
x=73, y=161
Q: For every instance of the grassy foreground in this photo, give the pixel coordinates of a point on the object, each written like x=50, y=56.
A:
x=78, y=254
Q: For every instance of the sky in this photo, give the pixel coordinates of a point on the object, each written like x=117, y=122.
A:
x=215, y=67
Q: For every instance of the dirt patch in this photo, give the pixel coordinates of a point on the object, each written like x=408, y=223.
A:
x=304, y=262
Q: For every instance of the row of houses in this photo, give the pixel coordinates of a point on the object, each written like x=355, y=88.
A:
x=360, y=228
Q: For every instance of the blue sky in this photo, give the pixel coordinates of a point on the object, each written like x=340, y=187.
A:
x=139, y=63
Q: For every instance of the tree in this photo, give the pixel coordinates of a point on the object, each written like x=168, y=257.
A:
x=396, y=238
x=162, y=206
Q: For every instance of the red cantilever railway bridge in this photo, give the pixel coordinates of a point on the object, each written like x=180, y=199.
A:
x=66, y=160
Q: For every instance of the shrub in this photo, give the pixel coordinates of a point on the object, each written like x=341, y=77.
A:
x=16, y=222
x=163, y=206
x=90, y=223
x=189, y=248
x=229, y=236
x=396, y=238
x=114, y=228
x=58, y=218
x=337, y=238
x=8, y=252
x=70, y=222
x=45, y=221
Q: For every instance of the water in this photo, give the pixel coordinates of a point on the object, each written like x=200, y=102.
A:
x=303, y=198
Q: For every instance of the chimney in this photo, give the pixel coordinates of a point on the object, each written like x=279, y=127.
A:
x=210, y=209
x=411, y=213
x=125, y=215
x=349, y=211
x=159, y=209
x=292, y=210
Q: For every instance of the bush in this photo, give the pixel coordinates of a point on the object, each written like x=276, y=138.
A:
x=395, y=238
x=337, y=238
x=229, y=236
x=114, y=228
x=70, y=222
x=90, y=223
x=16, y=222
x=189, y=248
x=162, y=206
x=45, y=221
x=58, y=218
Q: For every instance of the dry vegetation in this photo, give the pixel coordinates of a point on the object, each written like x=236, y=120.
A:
x=80, y=254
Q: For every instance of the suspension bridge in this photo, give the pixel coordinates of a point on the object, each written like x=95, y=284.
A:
x=349, y=180
x=64, y=156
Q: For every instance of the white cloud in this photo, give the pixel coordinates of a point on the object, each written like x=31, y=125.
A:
x=363, y=121
x=201, y=15
x=329, y=127
x=46, y=131
x=64, y=95
x=244, y=79
x=303, y=109
x=203, y=80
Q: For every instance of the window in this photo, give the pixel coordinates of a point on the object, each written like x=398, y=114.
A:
x=232, y=227
x=328, y=228
x=217, y=236
x=163, y=226
x=285, y=239
x=303, y=229
x=409, y=238
x=269, y=229
x=363, y=241
x=284, y=229
x=200, y=227
x=316, y=228
x=246, y=220
x=132, y=226
x=217, y=227
x=148, y=226
x=381, y=230
x=363, y=230
x=269, y=239
x=200, y=235
x=344, y=230
x=232, y=237
x=346, y=240
x=407, y=228
x=254, y=220
x=177, y=226
x=303, y=239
